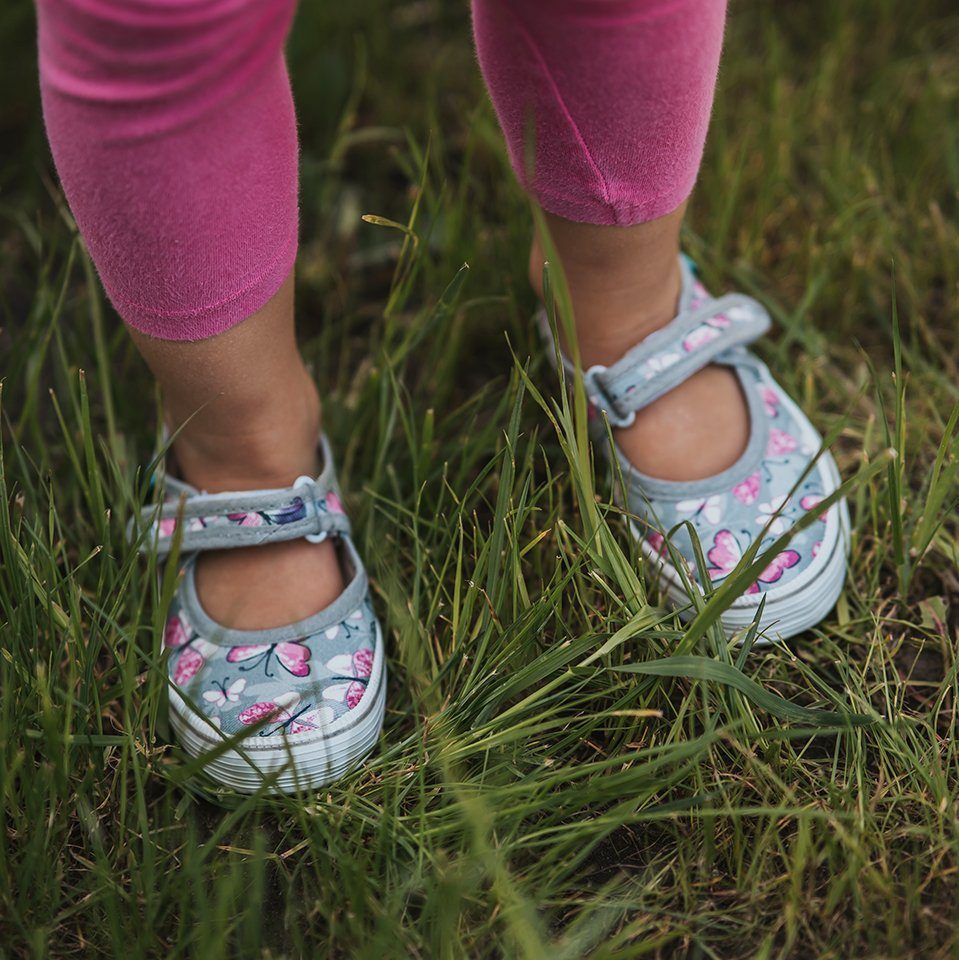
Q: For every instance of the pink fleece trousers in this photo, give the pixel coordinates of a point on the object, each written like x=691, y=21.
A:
x=173, y=132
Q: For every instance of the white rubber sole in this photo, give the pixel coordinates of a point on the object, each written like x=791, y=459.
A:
x=789, y=610
x=306, y=761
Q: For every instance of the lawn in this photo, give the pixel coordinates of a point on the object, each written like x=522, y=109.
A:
x=530, y=797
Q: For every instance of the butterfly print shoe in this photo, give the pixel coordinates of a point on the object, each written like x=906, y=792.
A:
x=308, y=698
x=781, y=476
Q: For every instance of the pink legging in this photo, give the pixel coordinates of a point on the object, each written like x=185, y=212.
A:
x=173, y=132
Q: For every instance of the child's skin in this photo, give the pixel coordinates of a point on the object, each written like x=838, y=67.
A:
x=250, y=431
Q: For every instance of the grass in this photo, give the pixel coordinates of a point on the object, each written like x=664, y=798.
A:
x=550, y=782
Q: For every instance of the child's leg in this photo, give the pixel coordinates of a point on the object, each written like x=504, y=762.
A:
x=605, y=106
x=173, y=131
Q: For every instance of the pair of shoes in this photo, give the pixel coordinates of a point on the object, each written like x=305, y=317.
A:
x=781, y=475
x=312, y=694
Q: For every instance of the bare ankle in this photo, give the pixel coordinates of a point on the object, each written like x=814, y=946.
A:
x=253, y=446
x=624, y=282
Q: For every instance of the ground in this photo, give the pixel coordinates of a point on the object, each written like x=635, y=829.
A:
x=528, y=799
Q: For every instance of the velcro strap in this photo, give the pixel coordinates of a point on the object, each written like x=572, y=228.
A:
x=218, y=521
x=669, y=356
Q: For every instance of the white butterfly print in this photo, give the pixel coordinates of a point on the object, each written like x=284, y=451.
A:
x=221, y=695
x=699, y=337
x=710, y=509
x=658, y=363
x=738, y=313
x=767, y=511
x=352, y=624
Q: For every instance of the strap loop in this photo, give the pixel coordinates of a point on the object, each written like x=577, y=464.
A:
x=666, y=358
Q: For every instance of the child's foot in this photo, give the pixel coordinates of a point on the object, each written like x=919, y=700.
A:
x=706, y=440
x=257, y=588
x=275, y=584
x=670, y=438
x=271, y=631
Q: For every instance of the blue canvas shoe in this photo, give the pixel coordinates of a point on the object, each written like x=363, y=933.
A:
x=752, y=499
x=311, y=694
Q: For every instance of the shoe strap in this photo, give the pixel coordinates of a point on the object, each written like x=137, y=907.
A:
x=705, y=329
x=310, y=508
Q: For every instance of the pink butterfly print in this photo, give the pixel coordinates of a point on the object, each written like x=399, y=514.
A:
x=810, y=502
x=262, y=710
x=191, y=659
x=770, y=400
x=177, y=631
x=726, y=553
x=192, y=650
x=780, y=564
x=747, y=491
x=710, y=509
x=188, y=665
x=292, y=654
x=780, y=443
x=355, y=668
x=245, y=519
x=286, y=711
x=333, y=504
x=166, y=526
x=657, y=541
